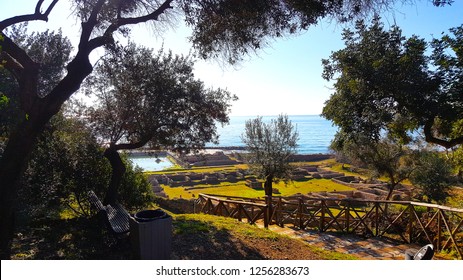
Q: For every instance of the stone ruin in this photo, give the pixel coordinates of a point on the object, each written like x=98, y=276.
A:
x=190, y=179
x=367, y=190
x=216, y=159
x=254, y=183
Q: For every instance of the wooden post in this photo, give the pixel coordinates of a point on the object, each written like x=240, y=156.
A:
x=239, y=212
x=266, y=223
x=376, y=218
x=299, y=213
x=322, y=218
x=279, y=210
x=439, y=229
x=347, y=216
x=410, y=223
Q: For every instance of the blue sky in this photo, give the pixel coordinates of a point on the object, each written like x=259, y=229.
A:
x=282, y=78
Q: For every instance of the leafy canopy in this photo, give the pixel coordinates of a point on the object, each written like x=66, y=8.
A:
x=270, y=147
x=146, y=98
x=385, y=82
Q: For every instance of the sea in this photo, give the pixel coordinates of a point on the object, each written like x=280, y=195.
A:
x=315, y=133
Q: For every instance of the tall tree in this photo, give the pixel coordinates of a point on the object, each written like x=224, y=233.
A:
x=152, y=99
x=385, y=82
x=228, y=27
x=387, y=88
x=270, y=147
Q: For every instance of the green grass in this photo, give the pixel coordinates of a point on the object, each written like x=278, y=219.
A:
x=196, y=223
x=240, y=189
x=200, y=224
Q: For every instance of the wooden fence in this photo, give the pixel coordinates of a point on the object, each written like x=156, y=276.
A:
x=406, y=221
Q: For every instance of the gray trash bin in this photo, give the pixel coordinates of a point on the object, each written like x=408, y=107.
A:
x=151, y=235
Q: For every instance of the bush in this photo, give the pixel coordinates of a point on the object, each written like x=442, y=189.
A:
x=135, y=192
x=67, y=163
x=432, y=176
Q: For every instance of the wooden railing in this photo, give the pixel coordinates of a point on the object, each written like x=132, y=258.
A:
x=406, y=221
x=235, y=207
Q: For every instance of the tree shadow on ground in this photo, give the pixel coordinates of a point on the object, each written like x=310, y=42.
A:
x=197, y=240
x=75, y=239
x=86, y=238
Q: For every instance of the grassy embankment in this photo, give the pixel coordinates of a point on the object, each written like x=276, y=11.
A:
x=195, y=237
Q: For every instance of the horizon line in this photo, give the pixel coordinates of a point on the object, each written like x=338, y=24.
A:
x=276, y=115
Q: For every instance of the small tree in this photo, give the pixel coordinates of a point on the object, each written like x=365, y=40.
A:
x=384, y=157
x=270, y=146
x=433, y=176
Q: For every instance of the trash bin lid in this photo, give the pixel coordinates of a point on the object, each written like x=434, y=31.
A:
x=150, y=215
x=425, y=253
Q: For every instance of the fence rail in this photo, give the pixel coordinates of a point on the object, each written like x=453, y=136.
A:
x=406, y=221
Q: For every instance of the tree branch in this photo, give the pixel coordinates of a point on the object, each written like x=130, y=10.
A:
x=11, y=64
x=37, y=15
x=24, y=69
x=87, y=27
x=444, y=143
x=107, y=37
x=128, y=21
x=131, y=146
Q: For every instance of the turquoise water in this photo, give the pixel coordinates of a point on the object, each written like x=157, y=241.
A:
x=152, y=163
x=315, y=133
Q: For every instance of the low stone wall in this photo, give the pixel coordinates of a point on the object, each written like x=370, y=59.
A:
x=310, y=157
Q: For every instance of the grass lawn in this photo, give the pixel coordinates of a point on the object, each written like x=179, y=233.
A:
x=240, y=189
x=195, y=237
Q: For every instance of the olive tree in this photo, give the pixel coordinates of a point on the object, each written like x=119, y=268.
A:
x=384, y=157
x=151, y=99
x=386, y=83
x=270, y=146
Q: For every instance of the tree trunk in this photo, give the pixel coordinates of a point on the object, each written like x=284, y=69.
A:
x=22, y=140
x=118, y=170
x=268, y=197
x=389, y=194
x=12, y=166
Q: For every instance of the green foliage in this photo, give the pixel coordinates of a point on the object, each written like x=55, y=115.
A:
x=433, y=176
x=135, y=192
x=270, y=146
x=66, y=164
x=69, y=162
x=231, y=29
x=144, y=97
x=387, y=88
x=385, y=83
x=376, y=68
x=50, y=49
x=384, y=157
x=456, y=157
x=53, y=51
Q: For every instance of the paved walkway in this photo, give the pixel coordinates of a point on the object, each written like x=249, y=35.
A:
x=363, y=248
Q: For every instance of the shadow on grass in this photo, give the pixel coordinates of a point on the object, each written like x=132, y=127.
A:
x=75, y=239
x=198, y=240
x=83, y=238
